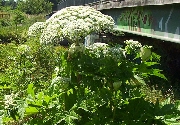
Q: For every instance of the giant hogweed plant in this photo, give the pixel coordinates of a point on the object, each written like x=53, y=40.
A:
x=98, y=84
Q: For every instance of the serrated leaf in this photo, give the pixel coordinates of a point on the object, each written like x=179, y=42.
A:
x=47, y=99
x=31, y=110
x=140, y=80
x=83, y=105
x=70, y=117
x=30, y=89
x=156, y=72
x=40, y=96
x=150, y=63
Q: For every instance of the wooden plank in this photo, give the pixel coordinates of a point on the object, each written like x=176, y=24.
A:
x=4, y=15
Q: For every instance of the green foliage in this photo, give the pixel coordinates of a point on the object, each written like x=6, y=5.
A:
x=34, y=6
x=8, y=3
x=14, y=29
x=8, y=35
x=5, y=22
x=19, y=17
x=100, y=85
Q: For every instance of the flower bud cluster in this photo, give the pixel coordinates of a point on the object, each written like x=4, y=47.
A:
x=132, y=45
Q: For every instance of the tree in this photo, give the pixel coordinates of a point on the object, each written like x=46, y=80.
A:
x=54, y=2
x=34, y=6
x=19, y=17
x=2, y=2
x=10, y=3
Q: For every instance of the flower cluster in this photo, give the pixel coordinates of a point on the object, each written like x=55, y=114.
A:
x=51, y=34
x=98, y=49
x=75, y=23
x=117, y=53
x=104, y=50
x=36, y=29
x=132, y=46
x=9, y=100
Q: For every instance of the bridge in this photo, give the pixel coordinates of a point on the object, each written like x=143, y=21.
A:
x=158, y=19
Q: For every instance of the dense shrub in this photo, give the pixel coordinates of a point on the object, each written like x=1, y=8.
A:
x=99, y=84
x=8, y=35
x=14, y=29
x=5, y=22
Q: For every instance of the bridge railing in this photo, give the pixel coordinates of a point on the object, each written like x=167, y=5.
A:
x=67, y=3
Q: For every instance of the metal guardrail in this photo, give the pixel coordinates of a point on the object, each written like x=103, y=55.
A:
x=67, y=3
x=107, y=4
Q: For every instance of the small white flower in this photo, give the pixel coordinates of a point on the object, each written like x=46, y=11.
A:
x=22, y=49
x=98, y=45
x=104, y=50
x=56, y=70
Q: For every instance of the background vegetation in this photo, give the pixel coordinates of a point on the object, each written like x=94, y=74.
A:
x=35, y=85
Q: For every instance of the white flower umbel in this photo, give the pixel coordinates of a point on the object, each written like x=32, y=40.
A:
x=51, y=35
x=98, y=49
x=75, y=23
x=36, y=29
x=96, y=46
x=103, y=49
x=133, y=44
